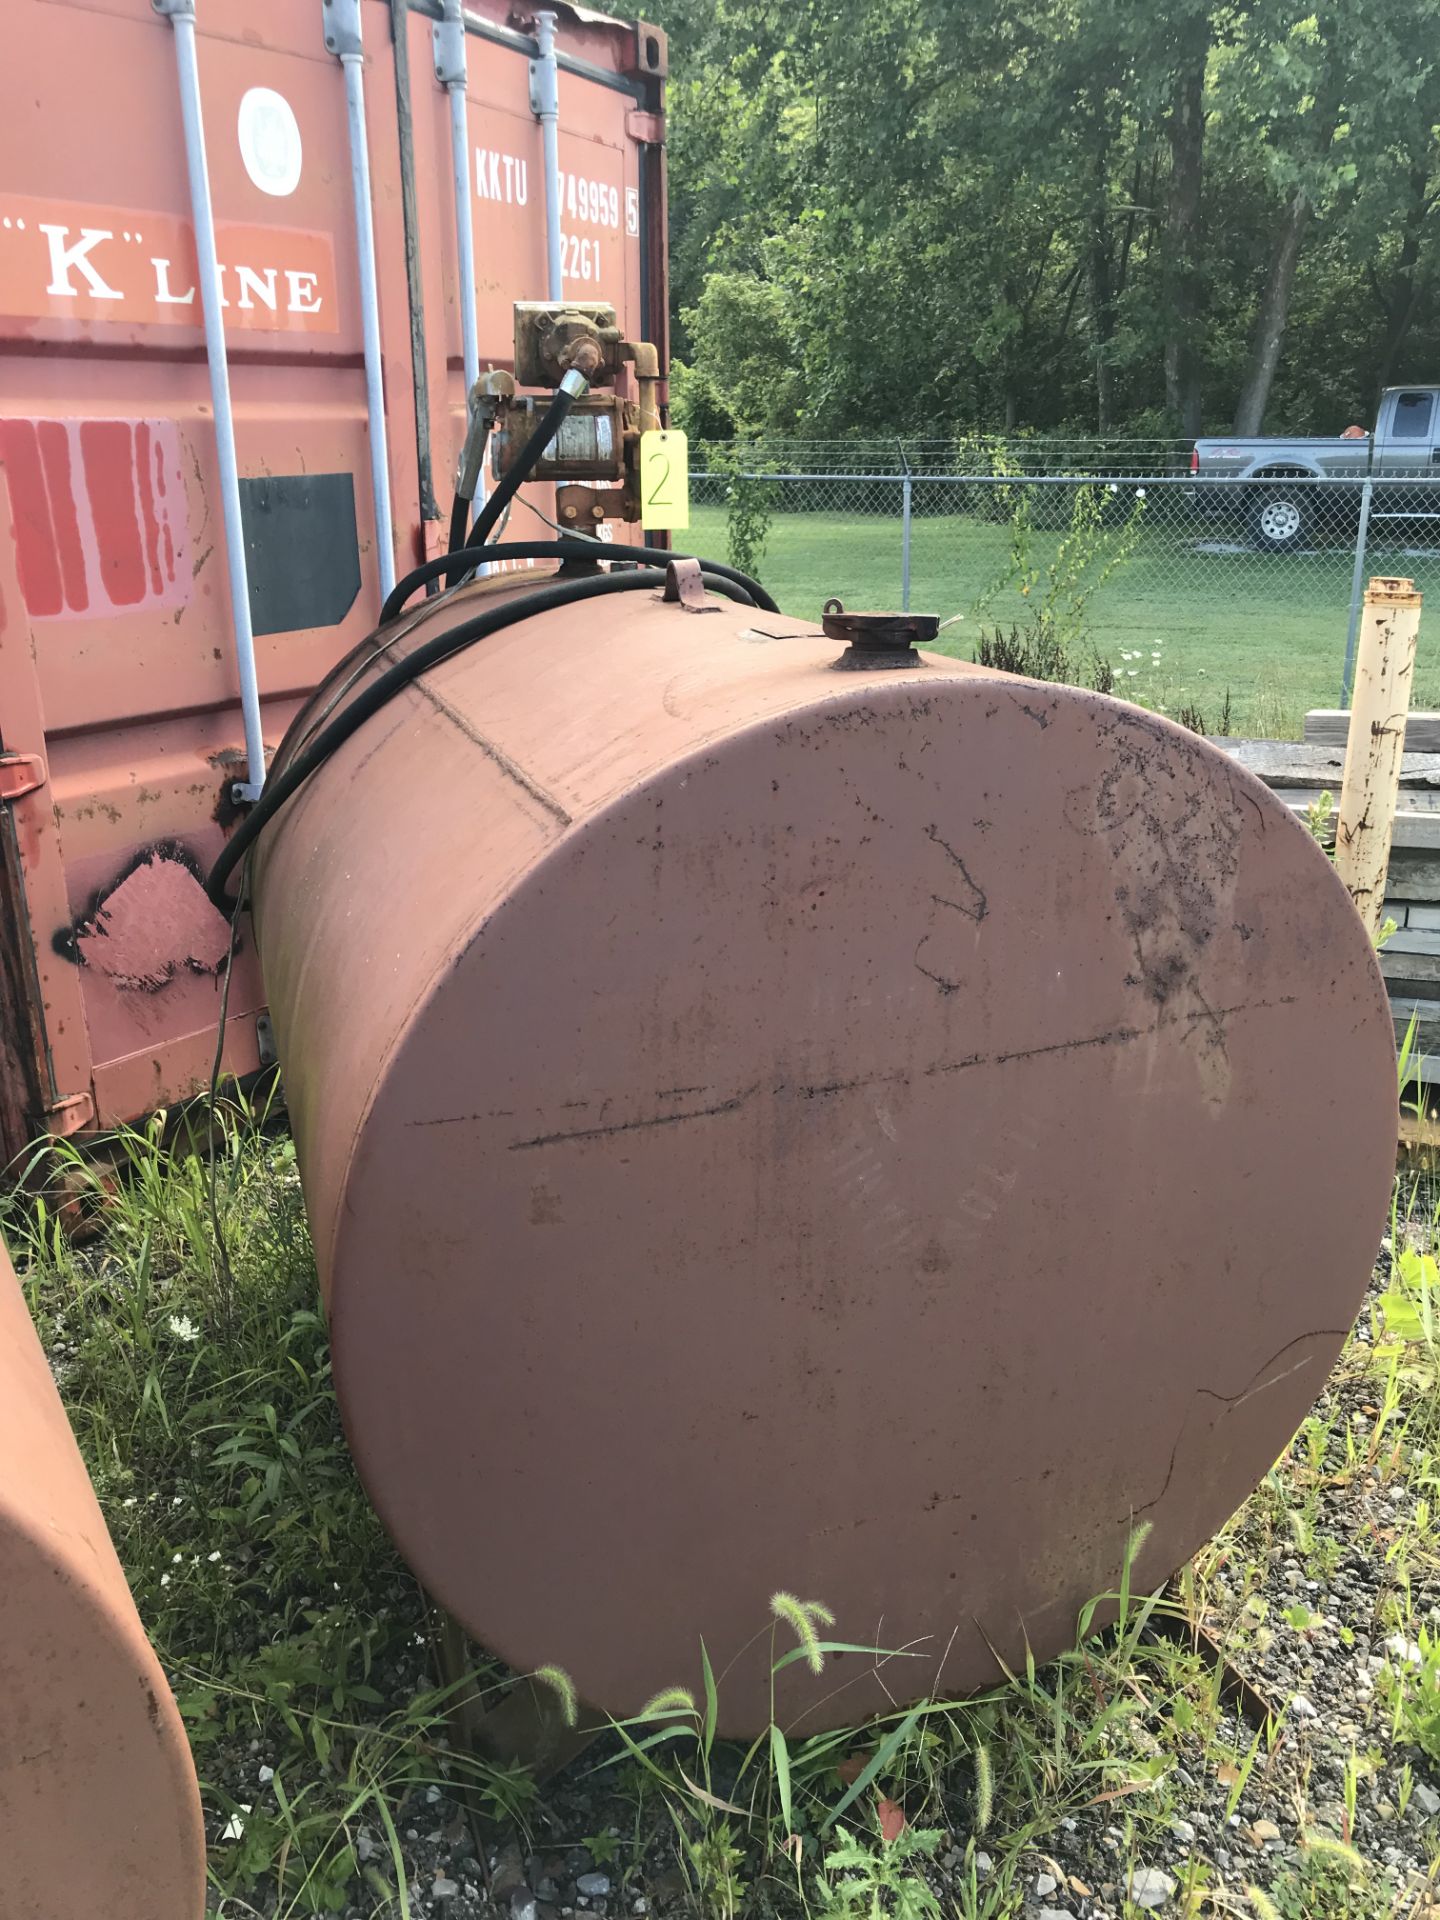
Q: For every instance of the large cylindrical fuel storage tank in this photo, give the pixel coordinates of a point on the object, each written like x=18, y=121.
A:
x=879, y=1135
x=99, y=1810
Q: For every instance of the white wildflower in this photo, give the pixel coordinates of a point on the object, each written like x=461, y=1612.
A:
x=164, y=1579
x=1139, y=493
x=177, y=1559
x=235, y=1826
x=212, y=1557
x=183, y=1327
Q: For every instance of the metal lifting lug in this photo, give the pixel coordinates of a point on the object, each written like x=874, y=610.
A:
x=343, y=36
x=20, y=773
x=685, y=586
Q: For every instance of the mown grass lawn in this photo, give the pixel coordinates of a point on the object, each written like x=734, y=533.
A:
x=1268, y=628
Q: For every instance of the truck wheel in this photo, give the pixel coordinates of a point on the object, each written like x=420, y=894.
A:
x=1279, y=520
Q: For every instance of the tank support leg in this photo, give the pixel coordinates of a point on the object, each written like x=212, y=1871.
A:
x=523, y=1728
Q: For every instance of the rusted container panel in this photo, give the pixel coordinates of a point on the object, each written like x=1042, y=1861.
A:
x=118, y=678
x=771, y=1127
x=99, y=1810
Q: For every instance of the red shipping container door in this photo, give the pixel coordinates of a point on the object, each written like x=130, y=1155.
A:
x=122, y=738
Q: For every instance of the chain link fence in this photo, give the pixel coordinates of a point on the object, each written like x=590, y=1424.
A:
x=1233, y=600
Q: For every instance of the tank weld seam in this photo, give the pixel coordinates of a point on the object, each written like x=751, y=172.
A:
x=731, y=1105
x=502, y=759
x=1114, y=1036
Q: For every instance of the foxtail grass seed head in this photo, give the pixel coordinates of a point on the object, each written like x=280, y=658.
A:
x=803, y=1617
x=1321, y=1843
x=563, y=1687
x=668, y=1703
x=984, y=1787
x=1138, y=1536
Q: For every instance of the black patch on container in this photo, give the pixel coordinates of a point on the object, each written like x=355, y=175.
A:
x=302, y=549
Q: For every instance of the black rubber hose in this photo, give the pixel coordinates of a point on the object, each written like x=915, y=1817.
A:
x=316, y=751
x=459, y=523
x=454, y=570
x=368, y=652
x=562, y=550
x=517, y=474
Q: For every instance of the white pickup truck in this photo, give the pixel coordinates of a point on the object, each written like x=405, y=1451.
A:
x=1304, y=492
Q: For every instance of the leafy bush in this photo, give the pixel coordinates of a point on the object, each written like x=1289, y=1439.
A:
x=750, y=501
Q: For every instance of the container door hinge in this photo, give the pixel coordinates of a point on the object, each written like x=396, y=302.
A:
x=69, y=1114
x=20, y=773
x=647, y=128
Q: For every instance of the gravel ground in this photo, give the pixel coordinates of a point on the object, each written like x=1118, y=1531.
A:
x=1324, y=1678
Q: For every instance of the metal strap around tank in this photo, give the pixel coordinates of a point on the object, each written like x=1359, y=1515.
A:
x=545, y=105
x=343, y=39
x=181, y=15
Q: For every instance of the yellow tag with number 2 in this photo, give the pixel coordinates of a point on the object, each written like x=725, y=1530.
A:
x=664, y=479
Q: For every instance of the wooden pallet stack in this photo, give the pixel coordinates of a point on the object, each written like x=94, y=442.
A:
x=1300, y=773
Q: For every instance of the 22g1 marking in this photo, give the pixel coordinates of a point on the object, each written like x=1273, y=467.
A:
x=580, y=259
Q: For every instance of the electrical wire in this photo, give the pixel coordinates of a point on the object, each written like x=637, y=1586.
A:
x=225, y=1276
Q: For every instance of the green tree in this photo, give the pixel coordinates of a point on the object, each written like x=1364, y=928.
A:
x=1049, y=214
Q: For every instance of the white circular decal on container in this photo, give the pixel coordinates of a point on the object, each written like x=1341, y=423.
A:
x=270, y=141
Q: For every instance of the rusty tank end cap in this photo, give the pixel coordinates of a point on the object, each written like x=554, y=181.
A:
x=877, y=641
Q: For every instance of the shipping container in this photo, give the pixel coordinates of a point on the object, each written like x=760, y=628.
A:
x=372, y=184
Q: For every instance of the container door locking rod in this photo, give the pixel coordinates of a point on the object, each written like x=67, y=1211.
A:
x=181, y=15
x=343, y=39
